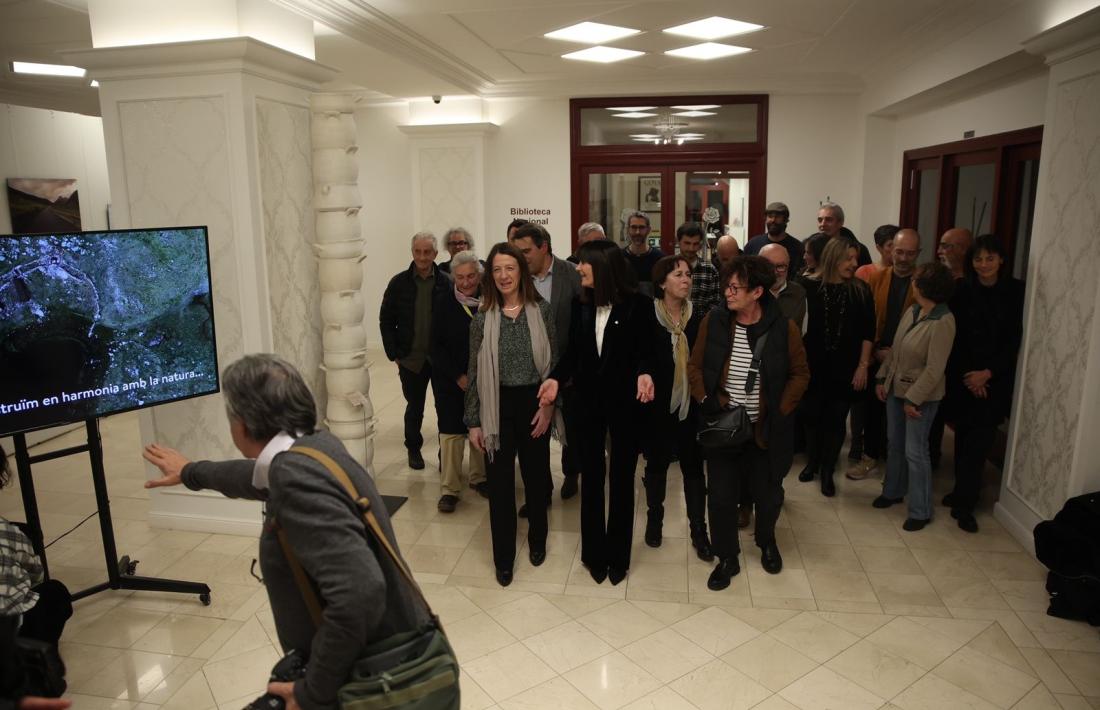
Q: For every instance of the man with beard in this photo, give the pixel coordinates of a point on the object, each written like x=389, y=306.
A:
x=777, y=216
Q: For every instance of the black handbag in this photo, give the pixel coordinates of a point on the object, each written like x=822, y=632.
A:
x=730, y=429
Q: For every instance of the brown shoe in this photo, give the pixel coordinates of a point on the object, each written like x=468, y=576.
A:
x=744, y=516
x=864, y=469
x=447, y=504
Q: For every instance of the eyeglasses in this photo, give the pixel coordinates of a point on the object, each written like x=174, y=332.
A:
x=455, y=243
x=735, y=289
x=782, y=267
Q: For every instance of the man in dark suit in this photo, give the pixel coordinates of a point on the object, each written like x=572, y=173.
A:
x=558, y=282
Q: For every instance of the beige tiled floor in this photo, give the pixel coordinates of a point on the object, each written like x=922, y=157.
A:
x=864, y=615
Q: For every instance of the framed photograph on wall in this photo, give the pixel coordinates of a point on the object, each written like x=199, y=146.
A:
x=649, y=193
x=654, y=226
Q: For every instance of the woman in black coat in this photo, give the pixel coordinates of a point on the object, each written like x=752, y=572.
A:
x=989, y=312
x=609, y=359
x=672, y=415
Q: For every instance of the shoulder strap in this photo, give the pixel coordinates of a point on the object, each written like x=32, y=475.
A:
x=754, y=367
x=372, y=525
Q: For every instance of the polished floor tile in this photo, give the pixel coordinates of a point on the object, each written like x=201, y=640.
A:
x=864, y=614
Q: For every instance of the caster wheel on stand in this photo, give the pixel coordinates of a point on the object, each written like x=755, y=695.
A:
x=205, y=599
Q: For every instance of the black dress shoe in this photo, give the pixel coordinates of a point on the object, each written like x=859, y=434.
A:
x=416, y=461
x=770, y=559
x=884, y=502
x=966, y=521
x=615, y=575
x=504, y=577
x=949, y=500
x=807, y=474
x=481, y=488
x=599, y=574
x=914, y=524
x=569, y=487
x=828, y=486
x=725, y=571
x=537, y=557
x=701, y=544
x=653, y=527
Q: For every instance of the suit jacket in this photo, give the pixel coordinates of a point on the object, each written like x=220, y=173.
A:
x=564, y=288
x=627, y=351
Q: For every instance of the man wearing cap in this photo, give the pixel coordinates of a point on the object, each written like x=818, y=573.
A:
x=776, y=219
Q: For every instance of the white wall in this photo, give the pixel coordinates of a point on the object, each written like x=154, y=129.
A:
x=37, y=143
x=815, y=151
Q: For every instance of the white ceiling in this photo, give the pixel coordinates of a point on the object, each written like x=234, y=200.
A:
x=409, y=48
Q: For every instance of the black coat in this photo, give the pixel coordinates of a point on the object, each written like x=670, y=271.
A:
x=397, y=316
x=663, y=363
x=834, y=356
x=450, y=353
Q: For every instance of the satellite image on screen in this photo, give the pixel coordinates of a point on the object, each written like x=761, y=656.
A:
x=100, y=322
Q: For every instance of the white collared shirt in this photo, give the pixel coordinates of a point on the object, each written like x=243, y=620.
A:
x=603, y=314
x=278, y=444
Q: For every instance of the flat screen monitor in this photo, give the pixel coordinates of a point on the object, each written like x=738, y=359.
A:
x=96, y=323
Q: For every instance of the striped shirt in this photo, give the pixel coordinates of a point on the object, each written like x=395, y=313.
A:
x=740, y=364
x=20, y=569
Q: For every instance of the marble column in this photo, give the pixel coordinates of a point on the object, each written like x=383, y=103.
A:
x=1054, y=451
x=217, y=133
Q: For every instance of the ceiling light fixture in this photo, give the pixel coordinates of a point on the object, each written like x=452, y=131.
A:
x=46, y=69
x=94, y=84
x=634, y=114
x=630, y=108
x=708, y=50
x=694, y=114
x=714, y=28
x=604, y=55
x=697, y=107
x=591, y=33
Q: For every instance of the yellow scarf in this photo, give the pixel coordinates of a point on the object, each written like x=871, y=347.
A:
x=681, y=394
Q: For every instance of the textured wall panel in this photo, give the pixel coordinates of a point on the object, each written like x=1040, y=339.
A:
x=447, y=189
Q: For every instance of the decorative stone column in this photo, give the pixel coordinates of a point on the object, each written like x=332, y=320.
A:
x=339, y=250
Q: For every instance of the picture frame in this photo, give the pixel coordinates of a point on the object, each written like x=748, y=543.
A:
x=654, y=224
x=649, y=193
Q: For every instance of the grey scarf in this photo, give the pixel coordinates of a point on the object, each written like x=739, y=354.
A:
x=488, y=369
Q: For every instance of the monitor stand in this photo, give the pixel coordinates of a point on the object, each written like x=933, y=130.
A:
x=120, y=571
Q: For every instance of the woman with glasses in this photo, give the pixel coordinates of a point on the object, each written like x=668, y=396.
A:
x=610, y=360
x=722, y=374
x=989, y=312
x=839, y=334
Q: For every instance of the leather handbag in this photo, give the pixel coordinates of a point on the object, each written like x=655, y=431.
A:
x=410, y=670
x=730, y=429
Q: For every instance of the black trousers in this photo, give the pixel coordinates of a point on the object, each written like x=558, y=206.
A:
x=825, y=415
x=874, y=431
x=725, y=472
x=605, y=542
x=414, y=385
x=667, y=435
x=973, y=440
x=571, y=451
x=518, y=406
x=935, y=434
x=858, y=426
x=46, y=619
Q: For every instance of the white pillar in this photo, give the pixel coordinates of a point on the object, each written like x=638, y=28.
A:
x=1054, y=451
x=217, y=133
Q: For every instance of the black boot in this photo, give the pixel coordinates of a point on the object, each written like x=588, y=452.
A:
x=654, y=523
x=701, y=542
x=828, y=487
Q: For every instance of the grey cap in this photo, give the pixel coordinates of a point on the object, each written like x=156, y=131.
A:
x=777, y=207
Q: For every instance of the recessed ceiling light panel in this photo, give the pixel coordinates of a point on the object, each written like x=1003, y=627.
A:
x=708, y=50
x=694, y=114
x=714, y=28
x=604, y=55
x=635, y=114
x=46, y=69
x=630, y=108
x=94, y=84
x=697, y=107
x=591, y=33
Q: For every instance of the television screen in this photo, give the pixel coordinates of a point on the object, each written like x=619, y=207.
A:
x=96, y=323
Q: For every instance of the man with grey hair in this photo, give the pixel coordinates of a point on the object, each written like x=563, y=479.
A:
x=405, y=320
x=309, y=518
x=587, y=232
x=456, y=240
x=638, y=253
x=789, y=295
x=830, y=222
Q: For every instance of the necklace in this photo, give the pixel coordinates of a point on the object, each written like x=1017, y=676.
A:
x=513, y=308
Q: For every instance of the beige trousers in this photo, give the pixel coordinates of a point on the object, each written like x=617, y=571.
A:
x=451, y=480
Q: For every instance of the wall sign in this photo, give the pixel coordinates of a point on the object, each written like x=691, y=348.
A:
x=532, y=215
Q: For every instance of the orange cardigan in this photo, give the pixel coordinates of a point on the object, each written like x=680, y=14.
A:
x=880, y=288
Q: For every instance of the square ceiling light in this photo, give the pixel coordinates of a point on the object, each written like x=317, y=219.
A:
x=714, y=28
x=630, y=108
x=694, y=114
x=591, y=33
x=697, y=107
x=604, y=55
x=708, y=50
x=633, y=114
x=46, y=69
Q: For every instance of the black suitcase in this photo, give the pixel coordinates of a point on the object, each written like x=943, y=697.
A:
x=1069, y=546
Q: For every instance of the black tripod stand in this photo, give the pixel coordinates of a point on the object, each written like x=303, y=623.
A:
x=120, y=571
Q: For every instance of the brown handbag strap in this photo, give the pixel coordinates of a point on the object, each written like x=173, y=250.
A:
x=373, y=527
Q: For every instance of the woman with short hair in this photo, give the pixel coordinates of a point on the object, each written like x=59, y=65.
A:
x=512, y=350
x=912, y=383
x=672, y=414
x=722, y=374
x=989, y=314
x=452, y=314
x=272, y=418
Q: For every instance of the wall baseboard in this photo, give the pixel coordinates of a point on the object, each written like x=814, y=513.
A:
x=194, y=523
x=1017, y=518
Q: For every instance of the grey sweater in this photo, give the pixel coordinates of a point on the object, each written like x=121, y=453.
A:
x=364, y=595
